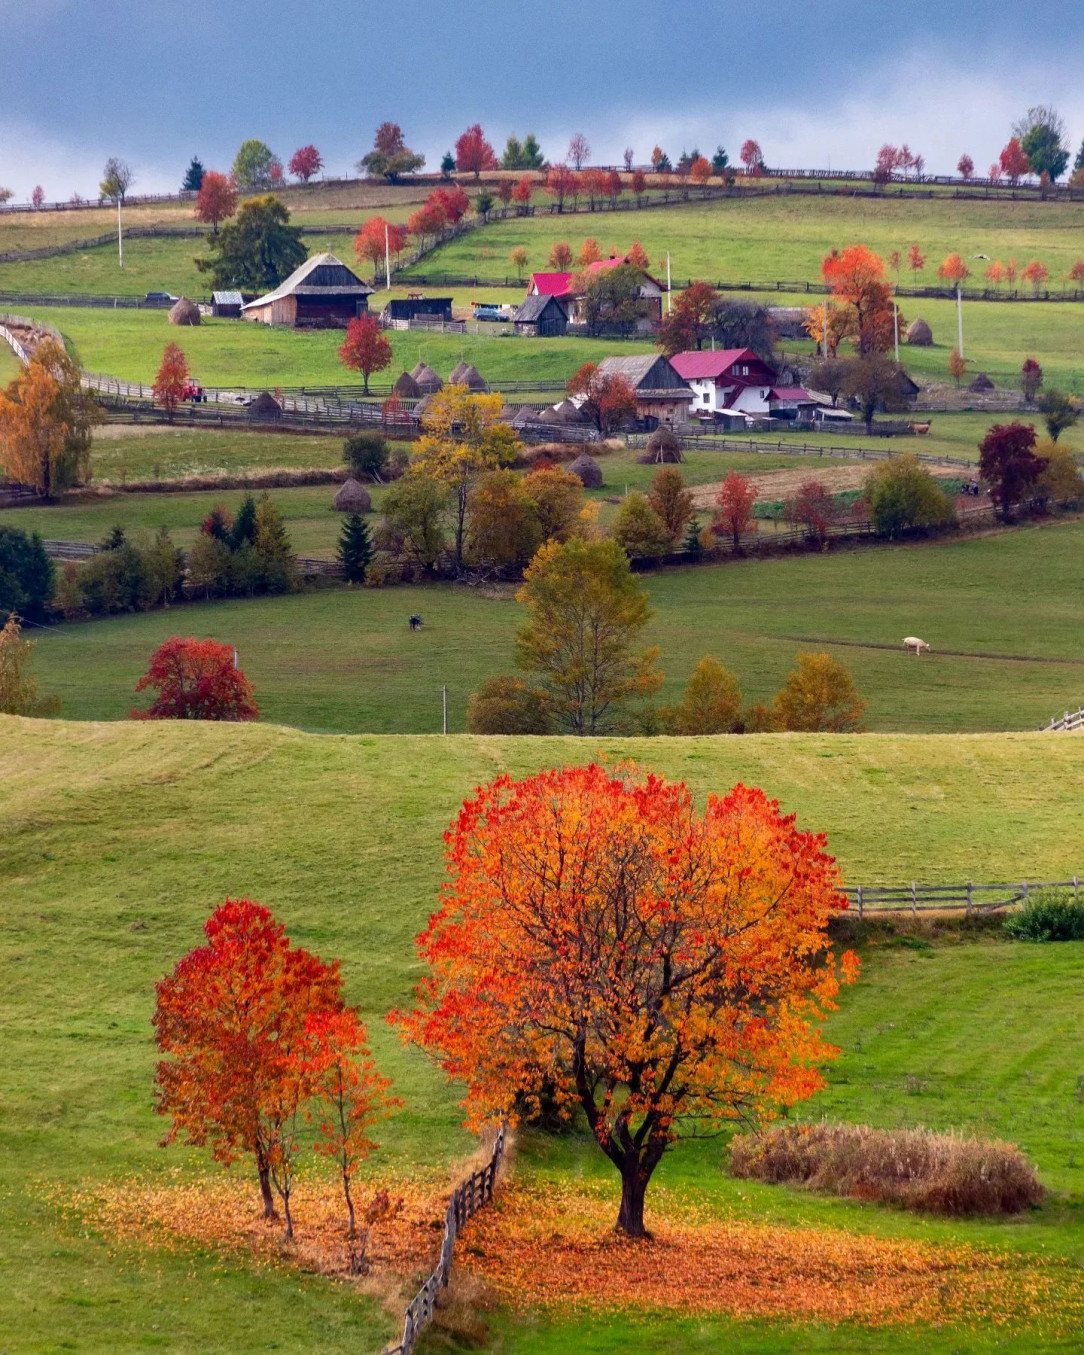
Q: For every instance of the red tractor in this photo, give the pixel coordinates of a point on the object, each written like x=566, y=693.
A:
x=194, y=391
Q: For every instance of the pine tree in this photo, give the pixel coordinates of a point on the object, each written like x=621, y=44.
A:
x=1078, y=163
x=193, y=178
x=277, y=562
x=691, y=544
x=355, y=550
x=244, y=524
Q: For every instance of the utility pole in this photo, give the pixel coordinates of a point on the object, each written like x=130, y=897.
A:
x=120, y=235
x=896, y=329
x=669, y=293
x=444, y=706
x=387, y=257
x=959, y=320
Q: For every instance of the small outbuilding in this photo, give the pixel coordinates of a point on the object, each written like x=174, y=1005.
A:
x=227, y=305
x=541, y=317
x=264, y=409
x=184, y=312
x=919, y=334
x=417, y=308
x=353, y=497
x=588, y=470
x=323, y=292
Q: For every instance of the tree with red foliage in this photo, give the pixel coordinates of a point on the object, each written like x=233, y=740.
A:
x=856, y=275
x=1031, y=379
x=813, y=508
x=639, y=183
x=429, y=220
x=522, y=194
x=700, y=171
x=376, y=240
x=603, y=944
x=560, y=184
x=216, y=200
x=916, y=260
x=1008, y=464
x=1014, y=161
x=690, y=320
x=306, y=162
x=752, y=157
x=1037, y=274
x=196, y=680
x=608, y=398
x=365, y=349
x=1076, y=274
x=734, y=507
x=965, y=167
x=473, y=153
x=351, y=1094
x=888, y=159
x=231, y=1023
x=637, y=256
x=560, y=257
x=953, y=270
x=172, y=380
x=454, y=200
x=579, y=152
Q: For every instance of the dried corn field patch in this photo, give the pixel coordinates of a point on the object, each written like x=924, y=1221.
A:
x=554, y=1247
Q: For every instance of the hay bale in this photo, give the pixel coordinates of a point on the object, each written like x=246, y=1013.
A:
x=184, y=312
x=981, y=383
x=588, y=470
x=464, y=374
x=663, y=447
x=353, y=497
x=428, y=381
x=407, y=388
x=265, y=408
x=919, y=334
x=565, y=412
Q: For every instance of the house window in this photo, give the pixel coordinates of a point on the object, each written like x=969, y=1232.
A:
x=745, y=371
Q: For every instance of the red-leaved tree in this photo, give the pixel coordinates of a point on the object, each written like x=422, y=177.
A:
x=965, y=167
x=752, y=157
x=306, y=162
x=813, y=508
x=607, y=397
x=734, y=507
x=1014, y=161
x=1008, y=464
x=377, y=239
x=856, y=275
x=216, y=200
x=473, y=153
x=172, y=380
x=454, y=200
x=365, y=349
x=232, y=1025
x=602, y=943
x=196, y=680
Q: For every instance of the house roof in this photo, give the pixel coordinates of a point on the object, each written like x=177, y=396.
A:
x=227, y=298
x=334, y=279
x=534, y=307
x=560, y=284
x=792, y=393
x=694, y=366
x=646, y=372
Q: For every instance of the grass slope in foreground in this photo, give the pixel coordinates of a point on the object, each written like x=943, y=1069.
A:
x=1001, y=612
x=119, y=839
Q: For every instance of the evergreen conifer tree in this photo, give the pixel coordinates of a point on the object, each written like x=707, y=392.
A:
x=355, y=550
x=691, y=544
x=193, y=177
x=277, y=562
x=244, y=524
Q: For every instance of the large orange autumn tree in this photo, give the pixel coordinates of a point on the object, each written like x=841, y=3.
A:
x=856, y=276
x=601, y=942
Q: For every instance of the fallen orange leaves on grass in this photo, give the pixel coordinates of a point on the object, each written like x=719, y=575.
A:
x=555, y=1245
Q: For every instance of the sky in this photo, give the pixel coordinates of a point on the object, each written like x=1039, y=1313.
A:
x=816, y=84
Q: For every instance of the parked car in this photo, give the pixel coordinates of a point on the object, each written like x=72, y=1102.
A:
x=161, y=298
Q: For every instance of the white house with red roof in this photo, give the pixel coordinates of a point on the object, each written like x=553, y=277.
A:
x=737, y=381
x=563, y=287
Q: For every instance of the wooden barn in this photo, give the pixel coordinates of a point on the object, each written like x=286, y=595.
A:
x=323, y=292
x=417, y=308
x=662, y=396
x=541, y=317
x=227, y=304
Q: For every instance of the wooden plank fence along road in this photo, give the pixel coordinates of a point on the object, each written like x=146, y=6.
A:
x=968, y=897
x=467, y=1198
x=1066, y=723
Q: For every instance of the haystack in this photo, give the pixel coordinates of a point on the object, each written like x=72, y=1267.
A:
x=353, y=497
x=981, y=383
x=407, y=388
x=184, y=312
x=265, y=408
x=663, y=447
x=427, y=379
x=421, y=409
x=919, y=334
x=588, y=470
x=464, y=374
x=564, y=412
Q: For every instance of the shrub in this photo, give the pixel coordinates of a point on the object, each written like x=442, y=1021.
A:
x=638, y=529
x=711, y=703
x=1048, y=916
x=819, y=696
x=366, y=454
x=507, y=705
x=903, y=495
x=913, y=1168
x=26, y=575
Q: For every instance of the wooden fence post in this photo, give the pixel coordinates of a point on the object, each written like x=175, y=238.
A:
x=860, y=903
x=969, y=897
x=914, y=898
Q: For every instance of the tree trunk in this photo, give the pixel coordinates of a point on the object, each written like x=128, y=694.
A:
x=289, y=1216
x=630, y=1218
x=349, y=1205
x=268, y=1198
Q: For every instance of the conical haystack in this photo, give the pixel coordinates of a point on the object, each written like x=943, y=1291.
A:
x=428, y=381
x=919, y=334
x=565, y=412
x=353, y=497
x=184, y=312
x=981, y=383
x=588, y=470
x=464, y=374
x=407, y=388
x=265, y=408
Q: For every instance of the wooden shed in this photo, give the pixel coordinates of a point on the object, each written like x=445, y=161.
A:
x=323, y=292
x=541, y=317
x=227, y=304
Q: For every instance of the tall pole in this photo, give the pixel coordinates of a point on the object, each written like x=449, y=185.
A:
x=387, y=257
x=896, y=329
x=120, y=235
x=959, y=320
x=444, y=706
x=669, y=294
x=824, y=334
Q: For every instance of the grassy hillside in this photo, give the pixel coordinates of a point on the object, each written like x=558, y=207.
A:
x=1006, y=644
x=119, y=838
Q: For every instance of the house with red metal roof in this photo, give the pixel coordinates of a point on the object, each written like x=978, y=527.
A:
x=564, y=287
x=737, y=381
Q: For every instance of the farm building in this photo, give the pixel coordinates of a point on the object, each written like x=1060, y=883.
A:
x=737, y=381
x=227, y=305
x=662, y=395
x=563, y=287
x=541, y=316
x=417, y=308
x=322, y=292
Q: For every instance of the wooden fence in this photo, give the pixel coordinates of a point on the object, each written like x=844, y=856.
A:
x=467, y=1198
x=968, y=897
x=86, y=550
x=1066, y=723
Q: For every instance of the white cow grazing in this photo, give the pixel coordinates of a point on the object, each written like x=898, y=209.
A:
x=913, y=642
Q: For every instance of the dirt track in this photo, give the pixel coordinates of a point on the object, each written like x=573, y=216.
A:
x=779, y=484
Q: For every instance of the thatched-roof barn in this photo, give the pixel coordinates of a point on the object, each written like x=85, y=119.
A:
x=353, y=497
x=265, y=408
x=427, y=379
x=407, y=388
x=588, y=470
x=919, y=334
x=464, y=374
x=184, y=312
x=981, y=383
